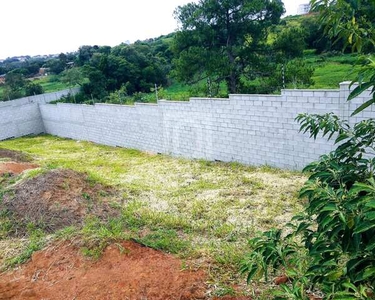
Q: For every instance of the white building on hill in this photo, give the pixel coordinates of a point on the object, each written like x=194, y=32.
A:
x=303, y=9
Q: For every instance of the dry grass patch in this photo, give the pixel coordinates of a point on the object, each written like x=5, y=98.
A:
x=214, y=208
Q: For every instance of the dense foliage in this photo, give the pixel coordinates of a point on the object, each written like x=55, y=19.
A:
x=218, y=39
x=137, y=68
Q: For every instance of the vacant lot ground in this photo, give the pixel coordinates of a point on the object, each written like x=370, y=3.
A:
x=202, y=212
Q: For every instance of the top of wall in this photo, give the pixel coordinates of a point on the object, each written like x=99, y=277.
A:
x=40, y=99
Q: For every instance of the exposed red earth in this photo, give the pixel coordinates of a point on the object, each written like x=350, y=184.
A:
x=125, y=271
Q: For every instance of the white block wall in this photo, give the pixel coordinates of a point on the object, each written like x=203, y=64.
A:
x=137, y=127
x=19, y=120
x=22, y=116
x=251, y=129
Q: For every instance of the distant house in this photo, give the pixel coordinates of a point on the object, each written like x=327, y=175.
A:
x=2, y=79
x=303, y=9
x=43, y=71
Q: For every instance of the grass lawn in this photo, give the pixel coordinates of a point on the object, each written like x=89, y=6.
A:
x=201, y=211
x=331, y=71
x=51, y=86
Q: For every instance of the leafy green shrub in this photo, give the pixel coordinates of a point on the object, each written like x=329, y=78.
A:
x=337, y=228
x=32, y=89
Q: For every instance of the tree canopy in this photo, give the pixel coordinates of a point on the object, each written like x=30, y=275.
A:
x=219, y=38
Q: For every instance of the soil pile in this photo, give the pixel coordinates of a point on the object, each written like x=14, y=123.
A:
x=13, y=155
x=15, y=168
x=135, y=272
x=57, y=199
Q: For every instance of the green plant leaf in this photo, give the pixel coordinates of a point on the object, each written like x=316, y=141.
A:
x=370, y=216
x=359, y=90
x=329, y=207
x=363, y=106
x=370, y=204
x=252, y=272
x=364, y=226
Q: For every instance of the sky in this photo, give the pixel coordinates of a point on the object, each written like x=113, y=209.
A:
x=40, y=27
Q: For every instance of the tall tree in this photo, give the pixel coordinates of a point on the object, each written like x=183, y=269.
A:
x=218, y=37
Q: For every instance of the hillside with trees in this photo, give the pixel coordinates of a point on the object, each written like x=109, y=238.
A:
x=221, y=47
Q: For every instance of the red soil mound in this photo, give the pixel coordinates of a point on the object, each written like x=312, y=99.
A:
x=136, y=272
x=15, y=168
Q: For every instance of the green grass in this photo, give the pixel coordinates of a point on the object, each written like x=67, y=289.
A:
x=51, y=86
x=195, y=209
x=35, y=242
x=331, y=71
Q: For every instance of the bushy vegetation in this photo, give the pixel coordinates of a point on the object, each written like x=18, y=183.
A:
x=329, y=250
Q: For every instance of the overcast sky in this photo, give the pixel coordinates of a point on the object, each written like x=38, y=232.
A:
x=32, y=27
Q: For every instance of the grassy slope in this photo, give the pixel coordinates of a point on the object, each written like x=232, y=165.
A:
x=196, y=209
x=331, y=71
x=51, y=86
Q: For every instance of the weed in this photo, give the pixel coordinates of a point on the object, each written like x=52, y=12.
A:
x=225, y=290
x=34, y=173
x=96, y=235
x=166, y=240
x=37, y=240
x=6, y=224
x=66, y=233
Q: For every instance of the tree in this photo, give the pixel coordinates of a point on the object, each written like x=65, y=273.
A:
x=136, y=66
x=85, y=53
x=32, y=89
x=291, y=42
x=72, y=77
x=299, y=74
x=56, y=66
x=219, y=37
x=315, y=37
x=9, y=94
x=15, y=80
x=96, y=87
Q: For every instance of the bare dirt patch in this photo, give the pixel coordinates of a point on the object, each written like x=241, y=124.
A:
x=15, y=167
x=126, y=271
x=57, y=199
x=13, y=155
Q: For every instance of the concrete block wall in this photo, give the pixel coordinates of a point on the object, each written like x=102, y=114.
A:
x=22, y=116
x=19, y=120
x=251, y=129
x=137, y=127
